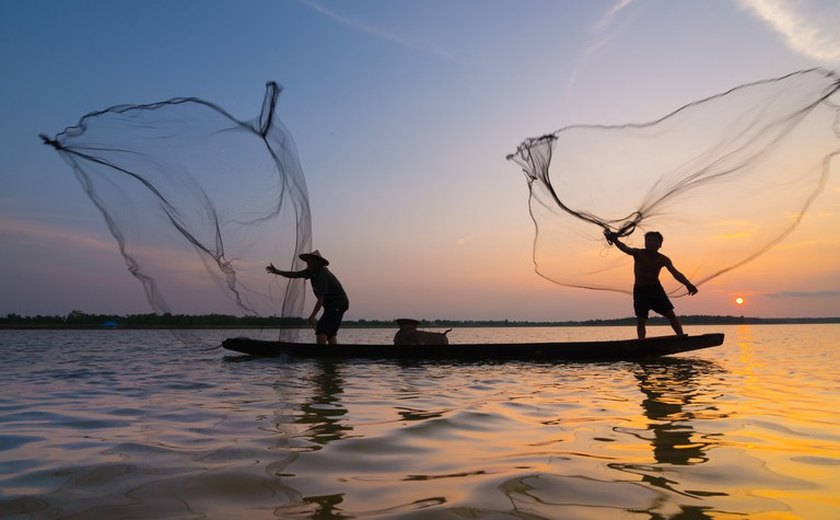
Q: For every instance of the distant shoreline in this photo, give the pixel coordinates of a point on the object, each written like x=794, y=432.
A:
x=80, y=320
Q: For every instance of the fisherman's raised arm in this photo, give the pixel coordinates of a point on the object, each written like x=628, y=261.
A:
x=288, y=274
x=613, y=239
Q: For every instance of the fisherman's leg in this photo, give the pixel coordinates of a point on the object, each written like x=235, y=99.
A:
x=675, y=322
x=640, y=326
x=640, y=309
x=321, y=339
x=328, y=325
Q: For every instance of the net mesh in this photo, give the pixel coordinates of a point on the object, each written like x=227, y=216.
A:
x=724, y=179
x=198, y=202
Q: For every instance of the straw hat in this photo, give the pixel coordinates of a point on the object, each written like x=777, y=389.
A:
x=314, y=256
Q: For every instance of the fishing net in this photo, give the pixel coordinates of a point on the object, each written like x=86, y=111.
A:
x=724, y=179
x=198, y=202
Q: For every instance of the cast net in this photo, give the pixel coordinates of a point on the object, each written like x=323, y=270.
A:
x=198, y=202
x=724, y=179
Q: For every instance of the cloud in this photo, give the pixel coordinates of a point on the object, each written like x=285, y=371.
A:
x=599, y=29
x=63, y=237
x=608, y=17
x=463, y=240
x=361, y=26
x=59, y=238
x=805, y=294
x=809, y=27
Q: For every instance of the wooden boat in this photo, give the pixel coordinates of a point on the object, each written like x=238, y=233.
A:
x=566, y=351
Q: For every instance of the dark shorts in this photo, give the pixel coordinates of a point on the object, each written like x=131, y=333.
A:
x=650, y=298
x=330, y=320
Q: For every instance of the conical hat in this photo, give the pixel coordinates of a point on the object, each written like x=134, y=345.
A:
x=314, y=256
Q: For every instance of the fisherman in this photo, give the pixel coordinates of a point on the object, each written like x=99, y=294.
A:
x=648, y=294
x=328, y=291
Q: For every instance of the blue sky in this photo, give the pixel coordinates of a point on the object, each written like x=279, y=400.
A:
x=403, y=112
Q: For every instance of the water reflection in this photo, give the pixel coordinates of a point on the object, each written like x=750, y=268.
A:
x=674, y=397
x=323, y=416
x=172, y=434
x=323, y=413
x=677, y=393
x=325, y=507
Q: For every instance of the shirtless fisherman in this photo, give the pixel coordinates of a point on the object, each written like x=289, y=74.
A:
x=648, y=293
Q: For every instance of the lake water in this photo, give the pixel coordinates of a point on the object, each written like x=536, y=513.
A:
x=134, y=424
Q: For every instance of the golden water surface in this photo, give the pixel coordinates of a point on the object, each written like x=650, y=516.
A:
x=136, y=424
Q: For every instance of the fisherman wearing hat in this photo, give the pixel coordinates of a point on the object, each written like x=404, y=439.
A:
x=328, y=291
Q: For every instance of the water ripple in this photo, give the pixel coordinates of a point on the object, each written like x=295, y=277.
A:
x=89, y=429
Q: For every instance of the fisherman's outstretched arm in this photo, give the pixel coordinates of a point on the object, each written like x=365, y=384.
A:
x=288, y=274
x=678, y=276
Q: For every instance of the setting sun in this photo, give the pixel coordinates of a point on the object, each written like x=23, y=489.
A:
x=739, y=300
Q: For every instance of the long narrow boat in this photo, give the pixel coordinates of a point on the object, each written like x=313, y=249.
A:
x=567, y=351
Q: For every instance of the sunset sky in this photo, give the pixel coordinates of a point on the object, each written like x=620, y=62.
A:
x=403, y=113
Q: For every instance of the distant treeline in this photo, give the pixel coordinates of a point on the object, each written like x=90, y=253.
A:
x=82, y=320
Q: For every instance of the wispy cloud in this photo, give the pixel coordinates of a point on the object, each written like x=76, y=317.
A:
x=805, y=294
x=362, y=26
x=608, y=17
x=603, y=35
x=809, y=27
x=59, y=238
x=46, y=233
x=463, y=240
